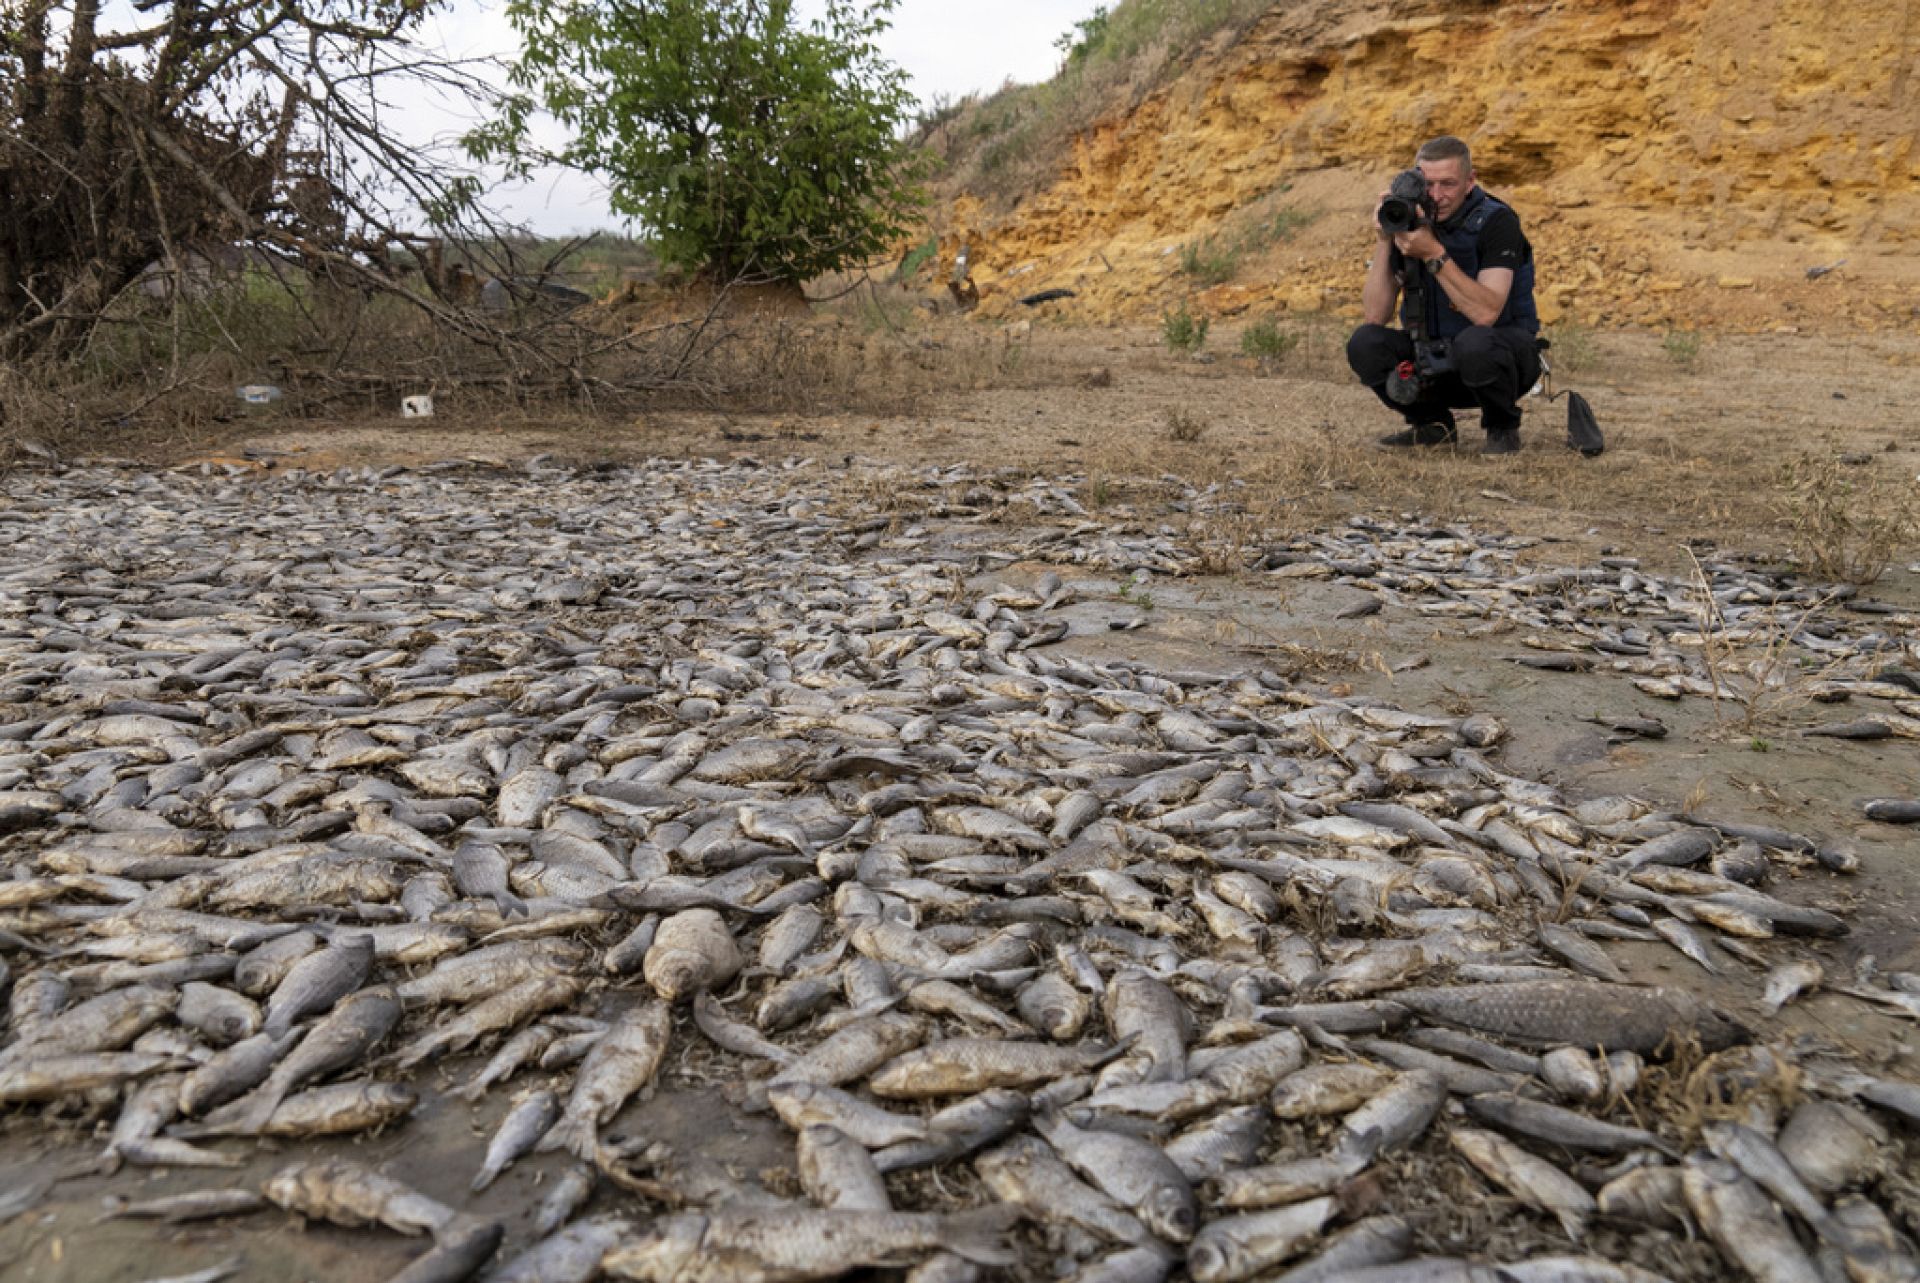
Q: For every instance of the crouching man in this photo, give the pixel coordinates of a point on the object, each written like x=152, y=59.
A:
x=1461, y=269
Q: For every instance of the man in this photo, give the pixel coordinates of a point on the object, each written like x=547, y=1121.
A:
x=1468, y=276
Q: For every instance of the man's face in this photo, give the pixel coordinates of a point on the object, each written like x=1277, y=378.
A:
x=1448, y=182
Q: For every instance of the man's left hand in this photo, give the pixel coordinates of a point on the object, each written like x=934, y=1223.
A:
x=1419, y=243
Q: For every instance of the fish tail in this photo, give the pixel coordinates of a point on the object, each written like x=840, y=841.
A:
x=473, y=1090
x=512, y=905
x=979, y=1234
x=578, y=1136
x=1116, y=1051
x=252, y=1113
x=484, y=1178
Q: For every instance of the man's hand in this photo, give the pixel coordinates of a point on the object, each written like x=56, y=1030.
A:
x=1419, y=243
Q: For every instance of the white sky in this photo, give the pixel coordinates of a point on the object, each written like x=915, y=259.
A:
x=950, y=47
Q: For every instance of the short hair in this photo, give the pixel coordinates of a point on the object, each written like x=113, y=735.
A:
x=1446, y=147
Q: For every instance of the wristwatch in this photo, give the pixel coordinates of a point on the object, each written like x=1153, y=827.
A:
x=1435, y=264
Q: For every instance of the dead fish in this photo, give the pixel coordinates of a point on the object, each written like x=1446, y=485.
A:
x=108, y=1022
x=1743, y=1223
x=725, y=1032
x=529, y=1120
x=481, y=870
x=195, y=1205
x=317, y=981
x=1687, y=941
x=851, y=1052
x=352, y=1195
x=1292, y=1181
x=1577, y=1013
x=1131, y=1170
x=961, y=1066
x=692, y=951
x=1461, y=1079
x=232, y=1072
x=1788, y=981
x=212, y=1274
x=504, y=1010
x=1229, y=1139
x=1027, y=1173
x=1232, y=1248
x=1889, y=810
x=460, y=1248
x=1650, y=1194
x=341, y=1109
x=1579, y=953
x=837, y=1172
x=1325, y=1089
x=343, y=1037
x=57, y=1076
x=1050, y=1004
x=1377, y=1240
x=1534, y=1181
x=621, y=1064
x=1761, y=1162
x=801, y=1105
x=570, y=1255
x=802, y=1244
x=1832, y=1146
x=1398, y=1114
x=1559, y=1126
x=570, y=1192
x=959, y=1129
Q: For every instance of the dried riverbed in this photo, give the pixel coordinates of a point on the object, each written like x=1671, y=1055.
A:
x=460, y=655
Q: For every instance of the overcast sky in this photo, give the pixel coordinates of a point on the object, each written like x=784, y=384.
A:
x=947, y=47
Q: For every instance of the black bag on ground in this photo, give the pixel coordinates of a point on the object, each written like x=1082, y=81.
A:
x=1583, y=430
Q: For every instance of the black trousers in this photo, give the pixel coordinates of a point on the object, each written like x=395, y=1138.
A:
x=1493, y=370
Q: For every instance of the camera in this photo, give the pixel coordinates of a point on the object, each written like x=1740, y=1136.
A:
x=1409, y=380
x=1407, y=205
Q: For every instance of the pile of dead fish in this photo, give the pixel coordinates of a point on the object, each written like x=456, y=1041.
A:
x=1730, y=632
x=311, y=783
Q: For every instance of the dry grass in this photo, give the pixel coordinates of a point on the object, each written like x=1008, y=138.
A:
x=1849, y=519
x=1691, y=454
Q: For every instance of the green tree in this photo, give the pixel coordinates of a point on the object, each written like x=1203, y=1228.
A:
x=743, y=142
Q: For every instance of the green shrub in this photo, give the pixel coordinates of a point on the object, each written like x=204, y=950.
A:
x=1183, y=331
x=918, y=257
x=1266, y=342
x=1682, y=347
x=1209, y=262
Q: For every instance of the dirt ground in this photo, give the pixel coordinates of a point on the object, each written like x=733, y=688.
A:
x=1696, y=452
x=1700, y=430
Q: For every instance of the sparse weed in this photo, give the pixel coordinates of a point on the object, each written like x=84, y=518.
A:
x=1183, y=331
x=1753, y=677
x=1184, y=425
x=1283, y=225
x=1267, y=343
x=1209, y=262
x=1574, y=349
x=1682, y=347
x=1134, y=593
x=1847, y=525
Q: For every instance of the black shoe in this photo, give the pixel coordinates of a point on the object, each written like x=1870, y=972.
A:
x=1423, y=434
x=1502, y=441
